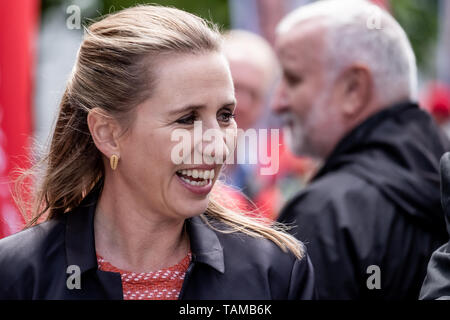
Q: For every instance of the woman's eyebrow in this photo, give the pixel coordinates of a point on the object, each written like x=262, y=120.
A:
x=186, y=109
x=232, y=104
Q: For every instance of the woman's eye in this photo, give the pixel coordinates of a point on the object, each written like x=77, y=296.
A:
x=190, y=119
x=226, y=117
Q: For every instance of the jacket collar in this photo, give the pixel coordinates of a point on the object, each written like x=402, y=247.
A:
x=80, y=240
x=205, y=244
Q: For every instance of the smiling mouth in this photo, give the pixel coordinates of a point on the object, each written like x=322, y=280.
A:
x=196, y=177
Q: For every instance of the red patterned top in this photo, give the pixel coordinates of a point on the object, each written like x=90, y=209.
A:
x=164, y=284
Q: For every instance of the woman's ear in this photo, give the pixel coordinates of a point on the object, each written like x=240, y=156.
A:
x=104, y=131
x=356, y=90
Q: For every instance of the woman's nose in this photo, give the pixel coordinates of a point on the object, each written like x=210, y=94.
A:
x=215, y=144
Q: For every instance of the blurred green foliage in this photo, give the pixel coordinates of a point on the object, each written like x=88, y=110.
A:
x=418, y=17
x=420, y=20
x=213, y=10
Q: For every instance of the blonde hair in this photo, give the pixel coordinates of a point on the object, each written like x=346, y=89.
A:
x=110, y=74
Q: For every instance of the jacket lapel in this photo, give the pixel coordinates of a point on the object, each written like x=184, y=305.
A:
x=80, y=251
x=205, y=244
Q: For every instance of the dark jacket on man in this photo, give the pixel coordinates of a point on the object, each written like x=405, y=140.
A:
x=36, y=263
x=371, y=217
x=437, y=281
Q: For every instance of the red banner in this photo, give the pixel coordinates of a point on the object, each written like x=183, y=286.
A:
x=18, y=35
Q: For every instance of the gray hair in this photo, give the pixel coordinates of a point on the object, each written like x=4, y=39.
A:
x=361, y=32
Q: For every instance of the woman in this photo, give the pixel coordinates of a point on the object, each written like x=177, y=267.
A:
x=124, y=220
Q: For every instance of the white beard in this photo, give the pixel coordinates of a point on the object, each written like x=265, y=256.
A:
x=301, y=135
x=294, y=136
x=298, y=134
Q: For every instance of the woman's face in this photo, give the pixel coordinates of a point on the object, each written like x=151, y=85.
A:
x=189, y=88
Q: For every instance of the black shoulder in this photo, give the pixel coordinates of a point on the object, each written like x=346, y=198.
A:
x=437, y=281
x=23, y=243
x=332, y=187
x=24, y=254
x=339, y=194
x=288, y=276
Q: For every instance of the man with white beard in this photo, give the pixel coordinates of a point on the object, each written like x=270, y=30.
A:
x=371, y=216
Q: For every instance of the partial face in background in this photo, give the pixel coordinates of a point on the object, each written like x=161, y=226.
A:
x=189, y=88
x=304, y=98
x=250, y=85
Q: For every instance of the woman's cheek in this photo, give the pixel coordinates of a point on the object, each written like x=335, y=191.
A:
x=231, y=138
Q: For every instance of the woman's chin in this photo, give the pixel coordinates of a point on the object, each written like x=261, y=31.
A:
x=190, y=200
x=191, y=209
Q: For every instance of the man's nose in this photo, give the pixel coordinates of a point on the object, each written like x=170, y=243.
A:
x=279, y=101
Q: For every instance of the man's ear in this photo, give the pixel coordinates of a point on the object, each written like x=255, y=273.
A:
x=104, y=131
x=356, y=90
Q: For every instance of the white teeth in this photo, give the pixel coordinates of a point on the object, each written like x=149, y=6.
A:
x=196, y=173
x=196, y=183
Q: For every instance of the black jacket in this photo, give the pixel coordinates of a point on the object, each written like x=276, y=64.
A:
x=34, y=263
x=437, y=281
x=376, y=202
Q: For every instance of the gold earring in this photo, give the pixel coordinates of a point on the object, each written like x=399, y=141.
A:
x=113, y=161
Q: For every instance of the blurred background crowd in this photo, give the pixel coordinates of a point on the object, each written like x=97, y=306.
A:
x=38, y=47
